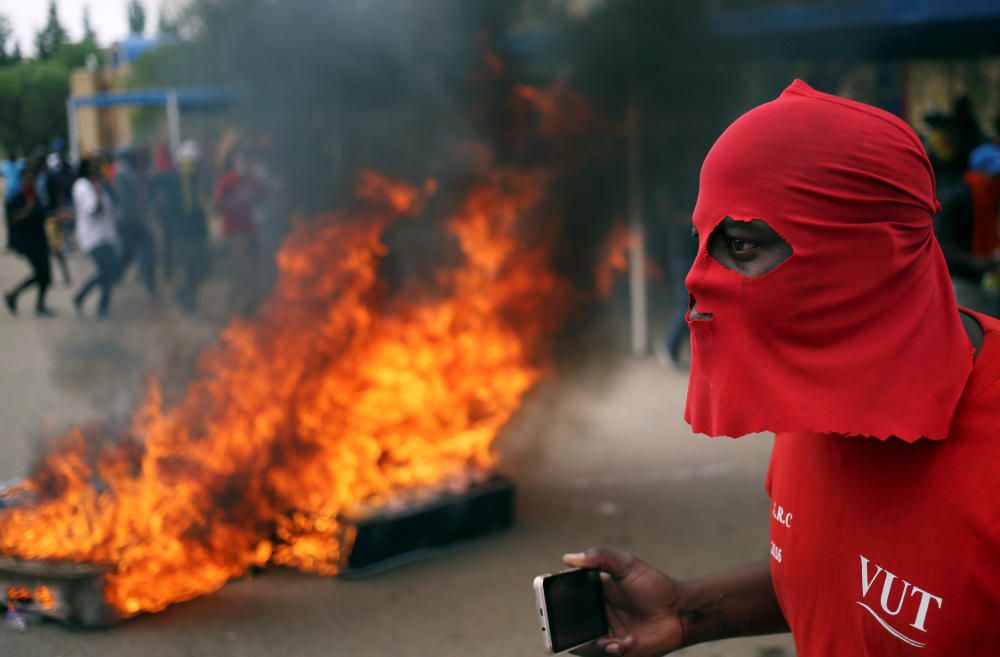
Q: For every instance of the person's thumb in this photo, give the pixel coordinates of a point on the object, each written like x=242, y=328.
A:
x=617, y=564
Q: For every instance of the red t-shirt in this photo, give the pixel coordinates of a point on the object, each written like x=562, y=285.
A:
x=237, y=196
x=887, y=548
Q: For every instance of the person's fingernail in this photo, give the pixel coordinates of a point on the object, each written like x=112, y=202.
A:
x=573, y=556
x=613, y=649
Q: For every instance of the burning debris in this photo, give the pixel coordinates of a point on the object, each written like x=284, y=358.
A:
x=389, y=537
x=67, y=592
x=337, y=396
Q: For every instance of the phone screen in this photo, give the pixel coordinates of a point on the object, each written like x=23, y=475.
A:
x=574, y=603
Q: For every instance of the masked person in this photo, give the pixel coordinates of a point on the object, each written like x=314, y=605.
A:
x=821, y=309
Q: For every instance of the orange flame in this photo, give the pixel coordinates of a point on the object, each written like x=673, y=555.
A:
x=614, y=257
x=333, y=397
x=561, y=111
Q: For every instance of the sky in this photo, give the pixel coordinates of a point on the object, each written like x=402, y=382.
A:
x=109, y=18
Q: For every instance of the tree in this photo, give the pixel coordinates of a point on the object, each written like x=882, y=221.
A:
x=52, y=36
x=6, y=33
x=75, y=55
x=89, y=36
x=136, y=17
x=32, y=103
x=166, y=24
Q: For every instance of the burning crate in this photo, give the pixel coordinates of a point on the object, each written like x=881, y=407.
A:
x=67, y=592
x=377, y=541
x=71, y=593
x=386, y=539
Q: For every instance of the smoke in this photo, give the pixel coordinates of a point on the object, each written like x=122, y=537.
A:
x=334, y=87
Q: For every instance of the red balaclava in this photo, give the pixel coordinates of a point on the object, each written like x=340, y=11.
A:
x=857, y=332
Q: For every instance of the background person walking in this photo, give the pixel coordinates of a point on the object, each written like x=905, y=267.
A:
x=96, y=235
x=178, y=197
x=26, y=213
x=237, y=195
x=134, y=234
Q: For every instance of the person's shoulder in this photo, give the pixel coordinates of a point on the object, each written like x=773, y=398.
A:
x=988, y=323
x=986, y=370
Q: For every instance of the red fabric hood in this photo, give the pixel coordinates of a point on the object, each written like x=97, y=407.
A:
x=857, y=332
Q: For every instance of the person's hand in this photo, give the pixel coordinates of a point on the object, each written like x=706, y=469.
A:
x=24, y=212
x=642, y=604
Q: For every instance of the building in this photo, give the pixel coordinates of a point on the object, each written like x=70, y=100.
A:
x=107, y=126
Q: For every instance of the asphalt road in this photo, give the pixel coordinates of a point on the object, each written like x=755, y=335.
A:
x=600, y=456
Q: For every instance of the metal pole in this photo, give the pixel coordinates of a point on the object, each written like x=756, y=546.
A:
x=637, y=243
x=173, y=121
x=73, y=131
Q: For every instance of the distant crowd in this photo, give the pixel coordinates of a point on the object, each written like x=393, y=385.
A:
x=130, y=208
x=967, y=168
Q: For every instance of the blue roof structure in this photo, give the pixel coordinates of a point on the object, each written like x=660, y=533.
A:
x=797, y=16
x=198, y=98
x=865, y=27
x=129, y=50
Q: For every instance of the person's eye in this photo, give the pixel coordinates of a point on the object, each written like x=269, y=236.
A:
x=742, y=249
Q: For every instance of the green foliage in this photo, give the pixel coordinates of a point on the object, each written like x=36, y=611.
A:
x=74, y=55
x=52, y=36
x=32, y=103
x=89, y=36
x=6, y=35
x=136, y=17
x=33, y=92
x=33, y=96
x=167, y=24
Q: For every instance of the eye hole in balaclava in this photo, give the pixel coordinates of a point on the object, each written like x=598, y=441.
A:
x=751, y=248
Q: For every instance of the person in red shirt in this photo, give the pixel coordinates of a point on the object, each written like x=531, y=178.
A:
x=821, y=309
x=238, y=195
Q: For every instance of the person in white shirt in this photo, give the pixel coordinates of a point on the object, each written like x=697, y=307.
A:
x=96, y=234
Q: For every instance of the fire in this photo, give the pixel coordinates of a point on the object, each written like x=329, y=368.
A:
x=614, y=259
x=336, y=395
x=559, y=110
x=40, y=595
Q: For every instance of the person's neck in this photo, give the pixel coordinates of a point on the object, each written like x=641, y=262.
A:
x=973, y=329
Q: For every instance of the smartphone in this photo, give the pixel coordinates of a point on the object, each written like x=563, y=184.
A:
x=571, y=606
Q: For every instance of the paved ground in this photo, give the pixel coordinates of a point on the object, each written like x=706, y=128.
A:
x=601, y=457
